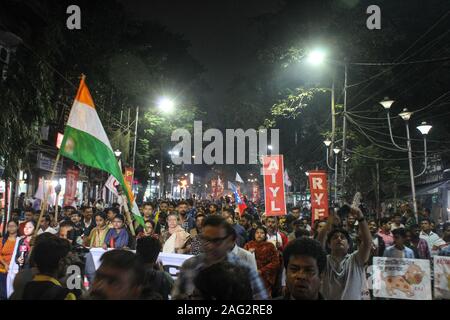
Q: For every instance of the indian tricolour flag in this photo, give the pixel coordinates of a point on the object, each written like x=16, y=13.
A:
x=85, y=142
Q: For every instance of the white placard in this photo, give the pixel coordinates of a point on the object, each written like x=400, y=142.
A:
x=401, y=278
x=171, y=261
x=441, y=277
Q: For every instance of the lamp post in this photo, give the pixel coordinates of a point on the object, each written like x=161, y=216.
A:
x=424, y=128
x=317, y=57
x=336, y=152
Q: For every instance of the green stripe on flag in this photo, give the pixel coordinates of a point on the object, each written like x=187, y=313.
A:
x=85, y=149
x=88, y=150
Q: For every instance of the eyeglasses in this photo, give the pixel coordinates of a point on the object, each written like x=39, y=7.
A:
x=213, y=241
x=308, y=272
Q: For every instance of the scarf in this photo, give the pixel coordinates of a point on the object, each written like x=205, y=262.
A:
x=98, y=237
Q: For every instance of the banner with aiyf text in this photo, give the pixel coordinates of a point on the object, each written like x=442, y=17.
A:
x=274, y=197
x=319, y=194
x=399, y=278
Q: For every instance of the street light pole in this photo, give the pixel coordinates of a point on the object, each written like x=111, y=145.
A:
x=161, y=177
x=411, y=170
x=336, y=152
x=335, y=177
x=329, y=143
x=424, y=129
x=344, y=129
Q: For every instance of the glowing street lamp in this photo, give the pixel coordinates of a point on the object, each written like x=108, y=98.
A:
x=424, y=128
x=316, y=57
x=166, y=105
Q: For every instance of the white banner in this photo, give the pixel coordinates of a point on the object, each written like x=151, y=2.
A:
x=401, y=278
x=441, y=277
x=171, y=261
x=112, y=184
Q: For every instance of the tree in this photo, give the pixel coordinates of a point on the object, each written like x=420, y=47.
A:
x=127, y=64
x=288, y=34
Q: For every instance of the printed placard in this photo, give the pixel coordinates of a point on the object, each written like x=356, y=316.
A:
x=441, y=277
x=401, y=278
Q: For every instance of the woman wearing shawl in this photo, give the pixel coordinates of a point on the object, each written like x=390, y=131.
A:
x=267, y=257
x=175, y=239
x=96, y=238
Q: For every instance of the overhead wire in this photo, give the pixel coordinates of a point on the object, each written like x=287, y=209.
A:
x=425, y=48
x=395, y=136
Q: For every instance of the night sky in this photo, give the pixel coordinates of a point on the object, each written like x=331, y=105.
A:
x=223, y=39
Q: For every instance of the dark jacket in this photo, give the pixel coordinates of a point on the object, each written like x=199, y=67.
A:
x=157, y=284
x=46, y=288
x=287, y=297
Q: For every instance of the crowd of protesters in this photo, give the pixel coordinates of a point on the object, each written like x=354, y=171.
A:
x=236, y=255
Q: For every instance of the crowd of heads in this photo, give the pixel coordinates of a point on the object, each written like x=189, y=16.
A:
x=298, y=250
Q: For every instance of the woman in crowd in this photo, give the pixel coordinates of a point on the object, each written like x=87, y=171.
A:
x=148, y=231
x=318, y=226
x=7, y=244
x=96, y=238
x=196, y=245
x=267, y=257
x=24, y=246
x=117, y=236
x=175, y=239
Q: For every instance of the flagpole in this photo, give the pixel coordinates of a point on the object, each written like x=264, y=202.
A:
x=135, y=142
x=44, y=203
x=127, y=213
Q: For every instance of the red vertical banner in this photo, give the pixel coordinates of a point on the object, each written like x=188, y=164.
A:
x=273, y=172
x=71, y=187
x=220, y=188
x=319, y=194
x=255, y=193
x=214, y=188
x=129, y=177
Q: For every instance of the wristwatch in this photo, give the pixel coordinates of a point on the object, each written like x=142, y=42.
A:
x=361, y=219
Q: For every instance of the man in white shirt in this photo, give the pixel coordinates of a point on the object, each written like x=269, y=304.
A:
x=45, y=225
x=344, y=277
x=435, y=243
x=244, y=255
x=278, y=239
x=397, y=224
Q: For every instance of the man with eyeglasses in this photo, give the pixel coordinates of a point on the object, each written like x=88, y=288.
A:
x=217, y=242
